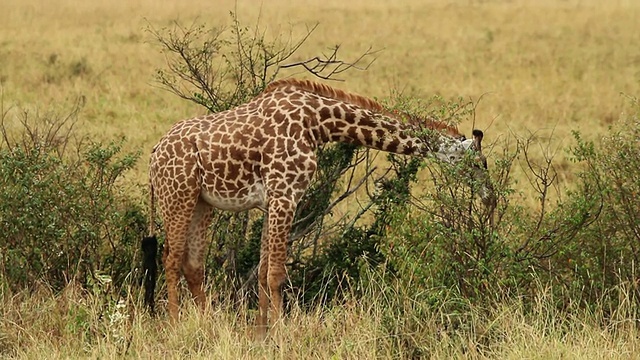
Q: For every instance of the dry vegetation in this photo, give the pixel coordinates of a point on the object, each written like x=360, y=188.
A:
x=78, y=324
x=545, y=67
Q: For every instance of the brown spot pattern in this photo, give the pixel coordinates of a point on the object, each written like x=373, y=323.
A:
x=259, y=155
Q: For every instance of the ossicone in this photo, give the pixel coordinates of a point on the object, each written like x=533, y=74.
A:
x=477, y=134
x=477, y=139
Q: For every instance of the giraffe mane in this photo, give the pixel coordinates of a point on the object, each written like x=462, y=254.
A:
x=328, y=91
x=429, y=122
x=362, y=101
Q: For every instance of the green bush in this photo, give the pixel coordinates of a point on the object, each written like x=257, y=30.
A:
x=446, y=240
x=64, y=214
x=338, y=262
x=606, y=253
x=446, y=245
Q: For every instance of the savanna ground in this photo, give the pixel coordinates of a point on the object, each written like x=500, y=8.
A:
x=539, y=67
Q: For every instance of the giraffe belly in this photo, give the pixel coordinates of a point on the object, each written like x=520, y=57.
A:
x=245, y=199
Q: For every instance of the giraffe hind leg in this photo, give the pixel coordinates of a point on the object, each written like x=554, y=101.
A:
x=193, y=261
x=177, y=229
x=172, y=259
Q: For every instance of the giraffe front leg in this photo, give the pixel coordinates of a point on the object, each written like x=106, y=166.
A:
x=194, y=274
x=281, y=214
x=275, y=279
x=263, y=295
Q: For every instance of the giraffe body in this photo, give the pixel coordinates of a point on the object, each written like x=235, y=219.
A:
x=262, y=155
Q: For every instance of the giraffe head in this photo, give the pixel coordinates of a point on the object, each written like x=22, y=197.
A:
x=453, y=150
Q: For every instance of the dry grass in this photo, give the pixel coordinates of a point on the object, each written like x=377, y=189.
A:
x=545, y=66
x=84, y=325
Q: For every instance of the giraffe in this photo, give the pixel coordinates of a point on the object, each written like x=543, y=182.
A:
x=262, y=155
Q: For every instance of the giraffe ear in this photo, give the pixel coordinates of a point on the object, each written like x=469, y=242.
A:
x=477, y=140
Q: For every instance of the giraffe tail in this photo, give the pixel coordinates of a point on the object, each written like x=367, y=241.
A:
x=149, y=255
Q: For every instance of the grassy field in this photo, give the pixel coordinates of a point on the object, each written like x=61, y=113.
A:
x=79, y=325
x=541, y=67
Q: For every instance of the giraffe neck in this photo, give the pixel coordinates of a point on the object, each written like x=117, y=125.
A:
x=378, y=131
x=354, y=119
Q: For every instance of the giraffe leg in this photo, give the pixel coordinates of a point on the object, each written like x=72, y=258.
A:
x=263, y=295
x=166, y=250
x=177, y=223
x=172, y=259
x=193, y=261
x=281, y=212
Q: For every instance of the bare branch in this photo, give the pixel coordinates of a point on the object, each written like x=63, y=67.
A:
x=350, y=190
x=327, y=67
x=50, y=132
